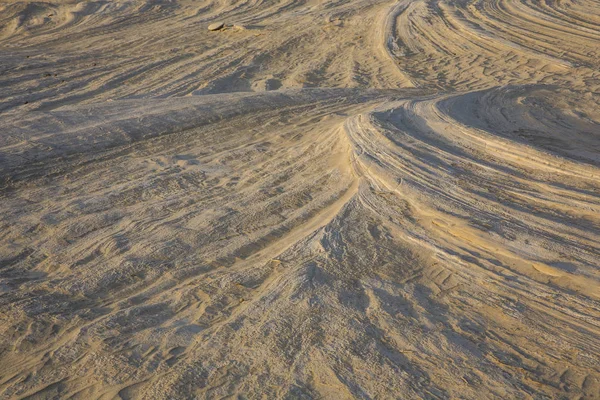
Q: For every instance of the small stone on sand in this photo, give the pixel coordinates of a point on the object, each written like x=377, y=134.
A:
x=216, y=26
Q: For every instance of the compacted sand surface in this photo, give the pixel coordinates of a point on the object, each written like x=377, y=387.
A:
x=367, y=199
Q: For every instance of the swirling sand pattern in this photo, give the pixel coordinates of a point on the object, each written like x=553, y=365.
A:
x=341, y=199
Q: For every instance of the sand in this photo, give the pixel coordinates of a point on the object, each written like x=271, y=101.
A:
x=363, y=199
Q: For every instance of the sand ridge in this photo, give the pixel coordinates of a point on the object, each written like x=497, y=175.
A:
x=332, y=199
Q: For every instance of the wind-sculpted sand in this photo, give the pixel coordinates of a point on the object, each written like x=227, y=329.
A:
x=326, y=199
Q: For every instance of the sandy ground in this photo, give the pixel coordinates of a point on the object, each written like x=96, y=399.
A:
x=366, y=199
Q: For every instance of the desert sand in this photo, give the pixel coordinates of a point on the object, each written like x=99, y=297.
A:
x=368, y=199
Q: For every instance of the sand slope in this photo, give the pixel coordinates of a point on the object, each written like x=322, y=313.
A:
x=334, y=199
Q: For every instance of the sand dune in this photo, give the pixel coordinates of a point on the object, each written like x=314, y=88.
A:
x=325, y=199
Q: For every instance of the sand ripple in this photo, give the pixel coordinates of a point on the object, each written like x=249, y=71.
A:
x=344, y=199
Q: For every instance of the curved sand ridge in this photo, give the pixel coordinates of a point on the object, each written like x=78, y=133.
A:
x=414, y=213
